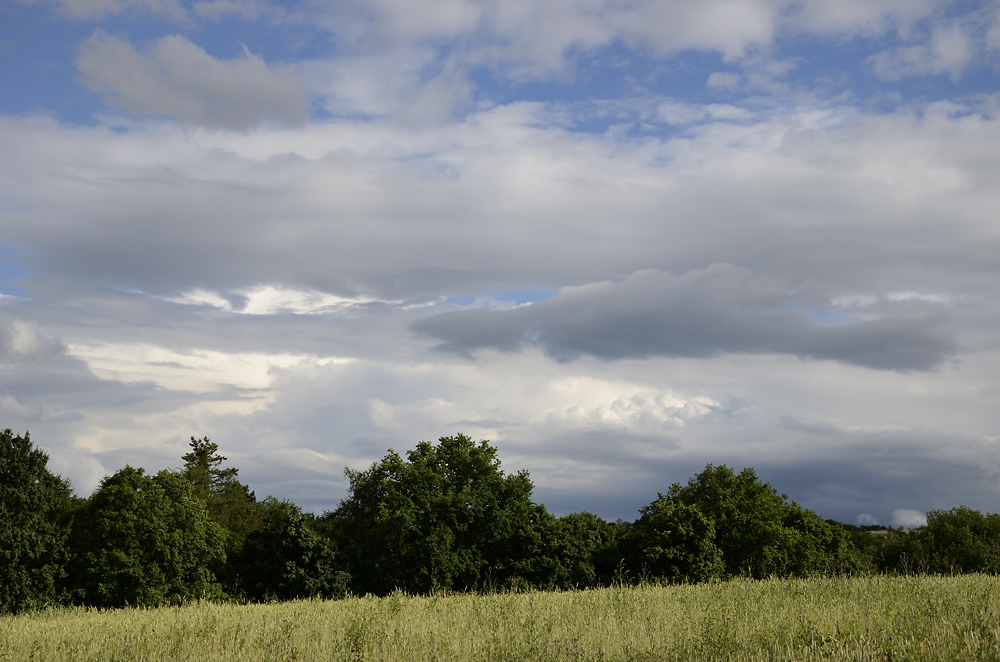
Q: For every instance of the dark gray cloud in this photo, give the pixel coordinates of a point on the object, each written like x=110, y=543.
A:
x=850, y=472
x=719, y=310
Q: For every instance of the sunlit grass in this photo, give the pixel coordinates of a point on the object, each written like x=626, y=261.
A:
x=874, y=618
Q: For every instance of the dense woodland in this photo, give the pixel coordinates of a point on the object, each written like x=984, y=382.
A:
x=446, y=517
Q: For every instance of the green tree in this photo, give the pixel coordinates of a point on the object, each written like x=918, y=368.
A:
x=816, y=545
x=447, y=517
x=145, y=540
x=960, y=540
x=674, y=541
x=230, y=503
x=286, y=559
x=573, y=551
x=201, y=468
x=757, y=530
x=33, y=552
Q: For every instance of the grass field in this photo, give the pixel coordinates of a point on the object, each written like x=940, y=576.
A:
x=874, y=618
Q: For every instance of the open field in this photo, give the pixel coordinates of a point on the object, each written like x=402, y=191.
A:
x=873, y=618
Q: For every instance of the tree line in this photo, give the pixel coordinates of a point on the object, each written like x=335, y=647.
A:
x=444, y=517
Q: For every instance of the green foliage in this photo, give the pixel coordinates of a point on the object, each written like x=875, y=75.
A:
x=575, y=551
x=286, y=559
x=230, y=503
x=746, y=514
x=816, y=545
x=446, y=517
x=674, y=541
x=201, y=468
x=961, y=540
x=758, y=532
x=234, y=507
x=144, y=540
x=33, y=550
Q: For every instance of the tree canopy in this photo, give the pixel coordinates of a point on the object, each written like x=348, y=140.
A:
x=33, y=550
x=201, y=467
x=446, y=516
x=757, y=530
x=144, y=540
x=286, y=559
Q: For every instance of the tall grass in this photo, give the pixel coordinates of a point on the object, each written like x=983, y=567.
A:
x=872, y=618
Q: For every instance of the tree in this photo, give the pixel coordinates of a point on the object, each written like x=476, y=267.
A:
x=33, y=550
x=285, y=559
x=230, y=503
x=574, y=551
x=816, y=545
x=757, y=530
x=144, y=540
x=960, y=540
x=201, y=467
x=447, y=517
x=674, y=541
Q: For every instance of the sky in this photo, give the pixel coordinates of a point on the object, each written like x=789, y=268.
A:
x=621, y=240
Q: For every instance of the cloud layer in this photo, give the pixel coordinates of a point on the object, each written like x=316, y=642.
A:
x=647, y=236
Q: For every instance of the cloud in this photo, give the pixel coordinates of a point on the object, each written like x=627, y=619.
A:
x=675, y=112
x=179, y=79
x=866, y=519
x=523, y=41
x=12, y=407
x=407, y=85
x=717, y=310
x=948, y=50
x=20, y=342
x=725, y=80
x=860, y=17
x=95, y=9
x=248, y=10
x=908, y=519
x=196, y=275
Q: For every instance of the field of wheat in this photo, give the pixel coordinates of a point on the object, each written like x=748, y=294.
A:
x=872, y=618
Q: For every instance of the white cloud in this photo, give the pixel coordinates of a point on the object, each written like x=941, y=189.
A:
x=125, y=224
x=193, y=370
x=95, y=9
x=20, y=342
x=273, y=300
x=593, y=403
x=529, y=41
x=908, y=519
x=725, y=80
x=948, y=50
x=179, y=79
x=865, y=17
x=865, y=519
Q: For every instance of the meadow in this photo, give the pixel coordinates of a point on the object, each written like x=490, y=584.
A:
x=866, y=618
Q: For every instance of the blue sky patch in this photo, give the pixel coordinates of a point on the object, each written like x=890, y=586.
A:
x=11, y=271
